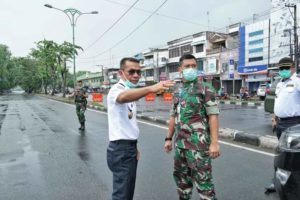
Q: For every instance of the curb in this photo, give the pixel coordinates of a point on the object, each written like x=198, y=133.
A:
x=242, y=103
x=267, y=141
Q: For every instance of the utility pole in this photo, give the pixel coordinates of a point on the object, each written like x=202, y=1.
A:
x=296, y=53
x=157, y=66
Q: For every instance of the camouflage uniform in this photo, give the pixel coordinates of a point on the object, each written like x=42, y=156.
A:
x=192, y=165
x=81, y=103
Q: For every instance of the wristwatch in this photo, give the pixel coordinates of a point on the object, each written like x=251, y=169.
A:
x=168, y=138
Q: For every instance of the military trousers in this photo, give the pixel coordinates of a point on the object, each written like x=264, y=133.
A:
x=80, y=110
x=193, y=167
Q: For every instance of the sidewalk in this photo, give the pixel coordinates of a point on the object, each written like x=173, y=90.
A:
x=269, y=142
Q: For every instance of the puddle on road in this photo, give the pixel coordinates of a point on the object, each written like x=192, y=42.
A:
x=21, y=169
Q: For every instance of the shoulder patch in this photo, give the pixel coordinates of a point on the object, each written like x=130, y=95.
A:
x=120, y=86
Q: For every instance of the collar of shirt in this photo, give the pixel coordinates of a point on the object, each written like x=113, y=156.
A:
x=287, y=79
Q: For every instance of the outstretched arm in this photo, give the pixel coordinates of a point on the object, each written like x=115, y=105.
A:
x=135, y=94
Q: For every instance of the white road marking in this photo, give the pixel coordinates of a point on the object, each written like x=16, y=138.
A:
x=166, y=128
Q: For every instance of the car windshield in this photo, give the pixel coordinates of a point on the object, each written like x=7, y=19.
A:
x=263, y=86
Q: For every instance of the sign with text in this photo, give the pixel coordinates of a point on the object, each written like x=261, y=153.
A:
x=231, y=69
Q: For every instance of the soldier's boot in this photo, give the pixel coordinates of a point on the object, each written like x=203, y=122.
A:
x=82, y=126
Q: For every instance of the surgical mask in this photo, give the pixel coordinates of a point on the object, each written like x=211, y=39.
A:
x=130, y=84
x=286, y=73
x=190, y=74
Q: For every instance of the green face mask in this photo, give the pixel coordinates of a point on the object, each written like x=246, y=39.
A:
x=286, y=73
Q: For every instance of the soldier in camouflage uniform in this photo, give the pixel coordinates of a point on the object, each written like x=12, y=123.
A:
x=81, y=103
x=194, y=120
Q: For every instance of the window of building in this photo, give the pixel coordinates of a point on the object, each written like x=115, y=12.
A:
x=186, y=49
x=149, y=72
x=225, y=67
x=199, y=48
x=254, y=42
x=173, y=68
x=236, y=64
x=256, y=50
x=173, y=53
x=200, y=65
x=254, y=59
x=255, y=33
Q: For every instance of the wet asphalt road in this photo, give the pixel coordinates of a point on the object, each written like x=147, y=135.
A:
x=44, y=156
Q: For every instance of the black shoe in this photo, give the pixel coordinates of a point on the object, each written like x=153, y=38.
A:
x=270, y=189
x=80, y=128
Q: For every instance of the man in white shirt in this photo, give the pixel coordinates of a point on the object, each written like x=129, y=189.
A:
x=287, y=101
x=122, y=153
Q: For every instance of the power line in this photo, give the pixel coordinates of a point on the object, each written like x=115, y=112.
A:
x=93, y=43
x=159, y=14
x=263, y=13
x=127, y=36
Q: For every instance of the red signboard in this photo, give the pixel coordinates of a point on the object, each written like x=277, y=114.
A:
x=97, y=97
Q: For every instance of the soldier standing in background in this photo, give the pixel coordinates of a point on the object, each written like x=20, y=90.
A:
x=81, y=103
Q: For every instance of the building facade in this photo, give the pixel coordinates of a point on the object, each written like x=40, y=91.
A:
x=254, y=54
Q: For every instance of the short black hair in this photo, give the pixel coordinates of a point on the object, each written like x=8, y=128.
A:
x=80, y=81
x=130, y=59
x=286, y=62
x=186, y=57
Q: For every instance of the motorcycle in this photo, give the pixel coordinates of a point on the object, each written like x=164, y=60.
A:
x=287, y=164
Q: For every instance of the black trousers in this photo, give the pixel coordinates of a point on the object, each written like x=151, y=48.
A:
x=122, y=161
x=284, y=123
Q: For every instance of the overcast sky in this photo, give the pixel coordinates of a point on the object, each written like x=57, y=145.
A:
x=24, y=22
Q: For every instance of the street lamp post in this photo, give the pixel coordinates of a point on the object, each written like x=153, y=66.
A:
x=73, y=14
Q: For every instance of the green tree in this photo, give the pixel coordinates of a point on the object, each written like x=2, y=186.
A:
x=46, y=54
x=5, y=64
x=29, y=74
x=65, y=52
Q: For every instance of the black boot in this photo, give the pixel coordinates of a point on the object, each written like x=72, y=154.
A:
x=82, y=126
x=270, y=189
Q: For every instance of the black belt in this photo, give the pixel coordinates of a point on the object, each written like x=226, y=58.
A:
x=289, y=118
x=130, y=142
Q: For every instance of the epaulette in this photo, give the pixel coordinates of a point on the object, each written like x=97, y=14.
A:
x=120, y=86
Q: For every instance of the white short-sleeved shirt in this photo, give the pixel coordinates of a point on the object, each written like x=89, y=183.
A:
x=120, y=126
x=287, y=101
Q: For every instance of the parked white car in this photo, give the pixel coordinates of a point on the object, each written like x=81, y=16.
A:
x=261, y=91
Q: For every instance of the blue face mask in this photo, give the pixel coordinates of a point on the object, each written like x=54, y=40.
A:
x=190, y=74
x=286, y=73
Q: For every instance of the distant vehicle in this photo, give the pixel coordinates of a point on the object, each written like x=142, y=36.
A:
x=261, y=91
x=270, y=95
